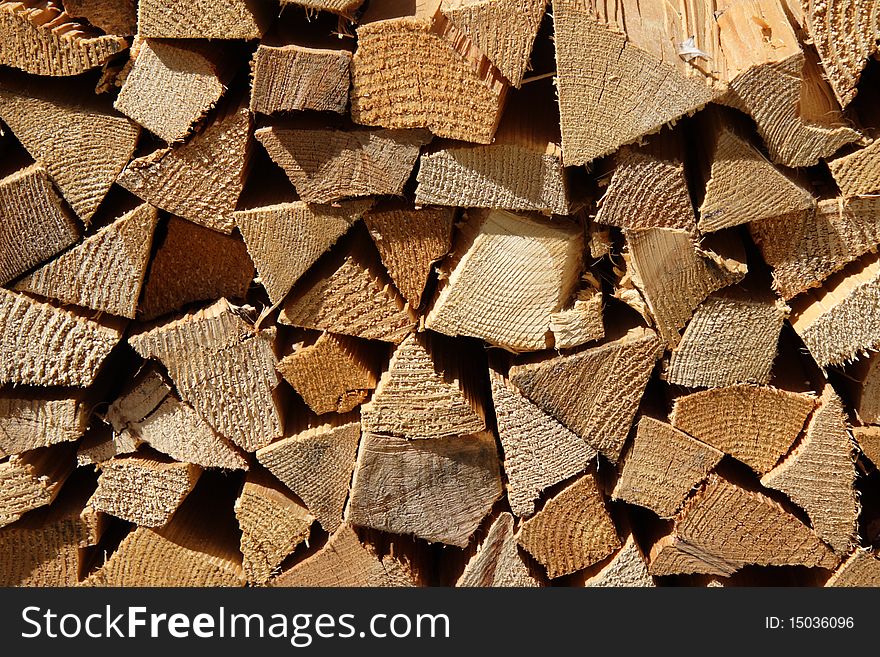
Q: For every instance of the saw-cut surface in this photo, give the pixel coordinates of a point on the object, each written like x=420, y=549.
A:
x=859, y=172
x=112, y=16
x=497, y=561
x=32, y=480
x=33, y=418
x=202, y=19
x=628, y=568
x=861, y=569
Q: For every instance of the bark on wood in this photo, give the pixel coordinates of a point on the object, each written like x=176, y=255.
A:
x=497, y=561
x=627, y=568
x=202, y=19
x=31, y=480
x=32, y=418
x=112, y=16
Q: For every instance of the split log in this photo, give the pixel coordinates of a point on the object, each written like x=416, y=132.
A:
x=858, y=173
x=170, y=88
x=729, y=340
x=497, y=561
x=861, y=569
x=34, y=418
x=106, y=271
x=273, y=523
x=223, y=368
x=100, y=444
x=439, y=490
x=31, y=480
x=627, y=568
x=230, y=19
x=724, y=527
x=40, y=38
x=409, y=242
x=194, y=263
x=202, y=179
x=572, y=531
x=284, y=240
x=334, y=374
x=819, y=475
x=581, y=321
x=594, y=392
x=113, y=16
x=316, y=464
x=346, y=562
x=345, y=8
x=427, y=392
x=538, y=450
x=36, y=225
x=662, y=466
x=327, y=165
x=46, y=346
x=868, y=439
x=144, y=489
x=480, y=298
x=754, y=424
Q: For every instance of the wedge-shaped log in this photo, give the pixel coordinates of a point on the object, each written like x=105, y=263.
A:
x=31, y=418
x=33, y=479
x=861, y=569
x=497, y=562
x=628, y=568
x=866, y=400
x=581, y=321
x=858, y=173
x=112, y=16
x=203, y=19
x=868, y=439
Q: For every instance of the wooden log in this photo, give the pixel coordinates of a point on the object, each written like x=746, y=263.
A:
x=861, y=569
x=284, y=240
x=34, y=418
x=33, y=479
x=316, y=464
x=344, y=8
x=100, y=444
x=724, y=527
x=333, y=374
x=81, y=141
x=346, y=562
x=327, y=165
x=594, y=392
x=868, y=439
x=144, y=490
x=754, y=424
x=819, y=475
x=223, y=368
x=538, y=450
x=40, y=38
x=581, y=321
x=43, y=345
x=439, y=490
x=729, y=340
x=113, y=17
x=427, y=372
x=409, y=242
x=837, y=322
x=140, y=398
x=170, y=88
x=479, y=297
x=497, y=561
x=572, y=531
x=273, y=523
x=202, y=179
x=662, y=466
x=193, y=263
x=231, y=19
x=805, y=248
x=36, y=225
x=628, y=568
x=451, y=89
x=856, y=173
x=106, y=271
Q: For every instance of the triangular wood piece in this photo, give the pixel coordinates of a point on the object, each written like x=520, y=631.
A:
x=581, y=321
x=33, y=418
x=316, y=464
x=858, y=173
x=538, y=450
x=861, y=569
x=439, y=490
x=113, y=16
x=594, y=392
x=754, y=424
x=229, y=19
x=497, y=561
x=33, y=479
x=409, y=241
x=200, y=180
x=572, y=531
x=284, y=240
x=426, y=392
x=628, y=568
x=819, y=475
x=223, y=368
x=100, y=444
x=106, y=271
x=868, y=439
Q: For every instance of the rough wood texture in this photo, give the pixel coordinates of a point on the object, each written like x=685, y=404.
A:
x=200, y=180
x=581, y=321
x=327, y=165
x=31, y=480
x=284, y=240
x=480, y=298
x=538, y=450
x=819, y=475
x=292, y=77
x=866, y=400
x=724, y=527
x=426, y=373
x=868, y=439
x=497, y=561
x=112, y=16
x=202, y=19
x=272, y=524
x=754, y=424
x=439, y=490
x=409, y=241
x=572, y=531
x=594, y=392
x=662, y=466
x=335, y=374
x=170, y=88
x=628, y=568
x=729, y=340
x=345, y=8
x=858, y=173
x=861, y=569
x=106, y=271
x=316, y=464
x=40, y=38
x=36, y=225
x=223, y=368
x=30, y=419
x=43, y=345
